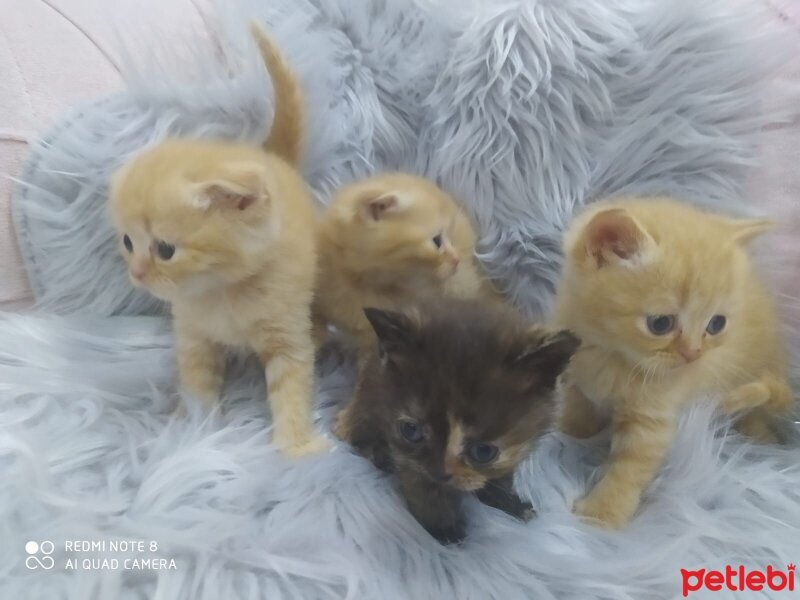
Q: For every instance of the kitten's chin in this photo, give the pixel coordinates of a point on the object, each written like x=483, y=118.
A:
x=468, y=485
x=161, y=294
x=150, y=289
x=671, y=367
x=200, y=285
x=167, y=294
x=447, y=271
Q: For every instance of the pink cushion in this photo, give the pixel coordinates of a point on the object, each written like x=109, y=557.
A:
x=775, y=189
x=54, y=55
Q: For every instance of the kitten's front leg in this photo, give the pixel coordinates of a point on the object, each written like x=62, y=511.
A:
x=578, y=417
x=757, y=425
x=346, y=417
x=499, y=494
x=201, y=366
x=638, y=445
x=763, y=399
x=290, y=378
x=434, y=506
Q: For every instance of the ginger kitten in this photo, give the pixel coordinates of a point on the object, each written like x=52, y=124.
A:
x=385, y=241
x=224, y=232
x=669, y=307
x=456, y=394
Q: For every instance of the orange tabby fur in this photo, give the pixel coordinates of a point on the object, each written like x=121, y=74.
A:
x=240, y=220
x=377, y=249
x=631, y=258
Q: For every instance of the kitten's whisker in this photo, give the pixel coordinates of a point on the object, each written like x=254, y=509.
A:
x=639, y=366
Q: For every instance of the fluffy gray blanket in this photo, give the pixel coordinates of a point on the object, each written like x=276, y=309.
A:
x=526, y=110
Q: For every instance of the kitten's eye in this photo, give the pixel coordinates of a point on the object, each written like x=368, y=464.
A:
x=716, y=324
x=126, y=241
x=165, y=250
x=411, y=431
x=437, y=240
x=660, y=324
x=482, y=453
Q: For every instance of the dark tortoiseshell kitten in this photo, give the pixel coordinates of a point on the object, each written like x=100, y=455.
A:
x=455, y=396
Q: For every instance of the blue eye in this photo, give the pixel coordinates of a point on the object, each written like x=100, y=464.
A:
x=165, y=250
x=126, y=241
x=716, y=324
x=411, y=431
x=482, y=453
x=437, y=240
x=660, y=324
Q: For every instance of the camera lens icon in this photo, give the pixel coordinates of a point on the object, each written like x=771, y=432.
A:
x=39, y=555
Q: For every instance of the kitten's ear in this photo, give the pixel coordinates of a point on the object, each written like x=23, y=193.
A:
x=396, y=332
x=746, y=230
x=238, y=189
x=547, y=355
x=613, y=236
x=374, y=208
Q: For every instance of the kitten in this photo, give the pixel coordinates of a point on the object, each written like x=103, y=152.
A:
x=669, y=307
x=455, y=395
x=224, y=232
x=386, y=240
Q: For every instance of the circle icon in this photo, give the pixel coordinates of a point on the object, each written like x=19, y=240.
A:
x=31, y=547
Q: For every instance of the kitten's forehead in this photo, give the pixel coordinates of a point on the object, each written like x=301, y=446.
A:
x=695, y=279
x=155, y=205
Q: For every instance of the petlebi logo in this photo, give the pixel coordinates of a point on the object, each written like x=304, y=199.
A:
x=739, y=579
x=39, y=555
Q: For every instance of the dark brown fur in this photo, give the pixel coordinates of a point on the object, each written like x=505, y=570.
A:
x=463, y=373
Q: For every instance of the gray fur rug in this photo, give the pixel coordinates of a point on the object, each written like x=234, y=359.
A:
x=526, y=109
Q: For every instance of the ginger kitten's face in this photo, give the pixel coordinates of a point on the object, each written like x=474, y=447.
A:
x=465, y=392
x=662, y=284
x=189, y=218
x=404, y=227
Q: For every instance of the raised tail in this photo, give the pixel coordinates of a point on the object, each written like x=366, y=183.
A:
x=288, y=125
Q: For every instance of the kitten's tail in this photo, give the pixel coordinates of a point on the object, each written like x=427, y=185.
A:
x=286, y=135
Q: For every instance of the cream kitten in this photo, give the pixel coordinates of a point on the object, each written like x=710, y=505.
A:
x=385, y=241
x=669, y=307
x=224, y=232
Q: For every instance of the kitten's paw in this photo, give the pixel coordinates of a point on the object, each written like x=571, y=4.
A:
x=757, y=428
x=518, y=508
x=454, y=534
x=747, y=396
x=315, y=445
x=525, y=512
x=608, y=513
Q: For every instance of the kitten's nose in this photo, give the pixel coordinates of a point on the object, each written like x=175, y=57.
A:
x=689, y=354
x=138, y=269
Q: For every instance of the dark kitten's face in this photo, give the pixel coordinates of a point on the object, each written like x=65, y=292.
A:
x=465, y=391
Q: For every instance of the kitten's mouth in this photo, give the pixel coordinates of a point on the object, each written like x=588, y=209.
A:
x=448, y=270
x=680, y=363
x=138, y=282
x=152, y=288
x=468, y=485
x=461, y=483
